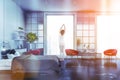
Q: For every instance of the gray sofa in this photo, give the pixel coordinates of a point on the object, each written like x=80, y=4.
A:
x=36, y=66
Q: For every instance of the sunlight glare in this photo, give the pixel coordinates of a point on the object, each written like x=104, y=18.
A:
x=54, y=22
x=108, y=32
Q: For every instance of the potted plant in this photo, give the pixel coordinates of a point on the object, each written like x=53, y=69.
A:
x=31, y=37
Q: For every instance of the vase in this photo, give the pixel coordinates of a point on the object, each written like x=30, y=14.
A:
x=31, y=46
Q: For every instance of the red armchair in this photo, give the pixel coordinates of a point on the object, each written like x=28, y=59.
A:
x=110, y=52
x=71, y=52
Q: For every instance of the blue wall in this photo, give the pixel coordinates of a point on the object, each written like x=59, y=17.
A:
x=11, y=17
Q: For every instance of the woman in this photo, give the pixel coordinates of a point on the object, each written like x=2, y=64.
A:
x=61, y=40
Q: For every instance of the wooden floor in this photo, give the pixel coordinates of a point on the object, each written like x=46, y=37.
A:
x=79, y=69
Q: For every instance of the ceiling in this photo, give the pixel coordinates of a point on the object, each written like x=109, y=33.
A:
x=69, y=5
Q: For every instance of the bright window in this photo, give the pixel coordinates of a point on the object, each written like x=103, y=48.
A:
x=108, y=32
x=54, y=22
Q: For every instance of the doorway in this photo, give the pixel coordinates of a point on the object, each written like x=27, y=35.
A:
x=54, y=22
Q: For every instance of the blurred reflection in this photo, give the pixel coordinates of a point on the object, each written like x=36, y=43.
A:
x=71, y=64
x=110, y=64
x=109, y=71
x=84, y=69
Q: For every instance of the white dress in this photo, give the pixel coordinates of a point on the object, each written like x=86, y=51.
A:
x=61, y=45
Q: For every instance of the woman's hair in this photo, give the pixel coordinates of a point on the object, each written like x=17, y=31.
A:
x=62, y=32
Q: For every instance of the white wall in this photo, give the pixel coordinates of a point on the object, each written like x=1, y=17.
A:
x=1, y=19
x=11, y=17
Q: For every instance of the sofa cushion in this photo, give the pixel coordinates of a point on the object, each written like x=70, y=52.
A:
x=35, y=52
